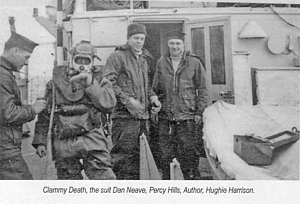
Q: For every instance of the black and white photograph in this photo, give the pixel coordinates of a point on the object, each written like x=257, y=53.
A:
x=131, y=101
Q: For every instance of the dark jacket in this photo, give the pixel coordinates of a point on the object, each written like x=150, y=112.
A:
x=129, y=77
x=185, y=97
x=13, y=114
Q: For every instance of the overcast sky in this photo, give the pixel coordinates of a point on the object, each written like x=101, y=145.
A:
x=25, y=24
x=41, y=61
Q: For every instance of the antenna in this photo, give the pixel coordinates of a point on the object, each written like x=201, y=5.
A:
x=11, y=21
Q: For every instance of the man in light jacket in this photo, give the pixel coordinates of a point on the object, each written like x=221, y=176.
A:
x=179, y=82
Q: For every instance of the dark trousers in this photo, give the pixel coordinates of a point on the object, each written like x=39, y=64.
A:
x=154, y=143
x=179, y=140
x=70, y=168
x=126, y=147
x=14, y=168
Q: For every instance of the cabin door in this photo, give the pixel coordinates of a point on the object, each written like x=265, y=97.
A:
x=210, y=40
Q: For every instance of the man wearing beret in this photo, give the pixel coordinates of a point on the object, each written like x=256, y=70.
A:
x=179, y=82
x=127, y=69
x=13, y=114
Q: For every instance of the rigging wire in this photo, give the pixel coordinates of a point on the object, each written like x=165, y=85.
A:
x=272, y=7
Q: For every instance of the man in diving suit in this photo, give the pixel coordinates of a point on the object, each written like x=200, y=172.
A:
x=81, y=104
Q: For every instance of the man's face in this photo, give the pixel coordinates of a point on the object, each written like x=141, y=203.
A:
x=176, y=46
x=20, y=58
x=137, y=41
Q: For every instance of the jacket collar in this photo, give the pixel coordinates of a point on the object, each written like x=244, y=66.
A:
x=182, y=64
x=184, y=56
x=145, y=53
x=7, y=64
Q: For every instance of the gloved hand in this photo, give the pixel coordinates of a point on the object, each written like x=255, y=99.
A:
x=105, y=82
x=39, y=105
x=134, y=107
x=156, y=105
x=154, y=118
x=41, y=151
x=198, y=119
x=84, y=79
x=49, y=85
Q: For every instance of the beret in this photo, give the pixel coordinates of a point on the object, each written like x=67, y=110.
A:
x=175, y=34
x=17, y=40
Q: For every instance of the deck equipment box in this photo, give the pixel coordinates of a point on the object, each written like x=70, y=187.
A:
x=255, y=150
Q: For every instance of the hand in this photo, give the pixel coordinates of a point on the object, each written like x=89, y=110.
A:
x=41, y=151
x=154, y=118
x=198, y=119
x=105, y=82
x=85, y=79
x=156, y=105
x=134, y=107
x=49, y=85
x=39, y=105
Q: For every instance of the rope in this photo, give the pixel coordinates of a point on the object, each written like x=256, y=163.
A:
x=49, y=147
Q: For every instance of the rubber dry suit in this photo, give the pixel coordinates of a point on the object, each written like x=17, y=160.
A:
x=77, y=131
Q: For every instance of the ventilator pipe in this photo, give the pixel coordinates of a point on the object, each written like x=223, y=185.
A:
x=131, y=5
x=80, y=6
x=59, y=44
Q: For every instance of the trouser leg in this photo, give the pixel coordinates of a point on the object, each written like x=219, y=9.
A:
x=154, y=143
x=200, y=142
x=92, y=148
x=69, y=168
x=166, y=145
x=187, y=153
x=96, y=166
x=126, y=150
x=14, y=168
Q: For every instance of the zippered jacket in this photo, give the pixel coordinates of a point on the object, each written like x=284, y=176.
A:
x=13, y=114
x=129, y=77
x=183, y=94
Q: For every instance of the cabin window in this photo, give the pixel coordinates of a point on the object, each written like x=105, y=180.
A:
x=216, y=35
x=198, y=43
x=210, y=40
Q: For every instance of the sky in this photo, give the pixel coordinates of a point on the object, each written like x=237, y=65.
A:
x=25, y=23
x=22, y=10
x=42, y=59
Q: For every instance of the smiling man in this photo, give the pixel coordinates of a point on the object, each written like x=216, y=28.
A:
x=127, y=69
x=13, y=114
x=179, y=82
